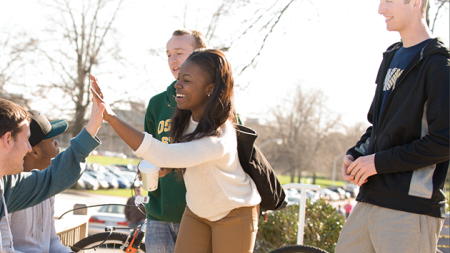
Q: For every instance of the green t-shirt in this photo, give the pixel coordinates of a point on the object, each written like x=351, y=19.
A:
x=167, y=203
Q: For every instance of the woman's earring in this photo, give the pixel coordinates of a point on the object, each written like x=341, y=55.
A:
x=209, y=95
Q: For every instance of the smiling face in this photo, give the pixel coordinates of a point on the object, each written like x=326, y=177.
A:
x=20, y=147
x=192, y=88
x=399, y=15
x=41, y=155
x=178, y=49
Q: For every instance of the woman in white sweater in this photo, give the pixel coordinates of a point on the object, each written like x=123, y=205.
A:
x=222, y=201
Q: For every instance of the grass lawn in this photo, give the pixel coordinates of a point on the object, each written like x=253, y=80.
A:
x=107, y=160
x=324, y=183
x=119, y=192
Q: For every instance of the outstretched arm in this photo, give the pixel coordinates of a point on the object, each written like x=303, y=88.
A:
x=132, y=137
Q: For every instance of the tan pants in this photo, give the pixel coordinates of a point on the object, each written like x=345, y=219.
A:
x=235, y=233
x=371, y=229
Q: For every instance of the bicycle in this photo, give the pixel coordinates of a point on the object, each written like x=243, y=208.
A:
x=112, y=241
x=132, y=242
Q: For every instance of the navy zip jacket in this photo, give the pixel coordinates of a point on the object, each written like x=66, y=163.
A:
x=411, y=138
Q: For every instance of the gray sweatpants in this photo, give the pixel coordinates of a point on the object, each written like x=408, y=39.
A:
x=377, y=229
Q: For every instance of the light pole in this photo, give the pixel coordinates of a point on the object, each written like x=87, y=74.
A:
x=333, y=177
x=301, y=215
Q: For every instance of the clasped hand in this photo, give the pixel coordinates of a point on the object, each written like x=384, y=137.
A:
x=358, y=171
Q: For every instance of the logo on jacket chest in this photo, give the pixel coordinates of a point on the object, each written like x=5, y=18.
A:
x=164, y=126
x=391, y=78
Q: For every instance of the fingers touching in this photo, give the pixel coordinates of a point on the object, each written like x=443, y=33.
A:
x=348, y=159
x=361, y=169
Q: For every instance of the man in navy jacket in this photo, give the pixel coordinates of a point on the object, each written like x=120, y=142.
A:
x=402, y=160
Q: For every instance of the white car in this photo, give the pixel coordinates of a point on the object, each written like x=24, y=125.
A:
x=109, y=215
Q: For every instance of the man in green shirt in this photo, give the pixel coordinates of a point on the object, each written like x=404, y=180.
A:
x=167, y=203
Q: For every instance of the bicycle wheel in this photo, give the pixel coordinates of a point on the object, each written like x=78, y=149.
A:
x=113, y=243
x=299, y=249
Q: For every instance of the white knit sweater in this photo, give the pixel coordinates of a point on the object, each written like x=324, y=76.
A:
x=214, y=178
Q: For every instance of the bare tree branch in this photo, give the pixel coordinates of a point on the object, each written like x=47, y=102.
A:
x=280, y=14
x=442, y=2
x=12, y=54
x=87, y=34
x=303, y=122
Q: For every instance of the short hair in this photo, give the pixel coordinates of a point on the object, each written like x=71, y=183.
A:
x=424, y=6
x=200, y=41
x=11, y=115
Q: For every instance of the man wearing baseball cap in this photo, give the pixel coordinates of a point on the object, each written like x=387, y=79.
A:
x=33, y=229
x=20, y=190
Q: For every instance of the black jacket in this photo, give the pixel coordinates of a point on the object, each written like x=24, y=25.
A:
x=411, y=138
x=258, y=168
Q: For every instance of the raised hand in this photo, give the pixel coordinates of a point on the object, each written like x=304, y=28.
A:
x=97, y=96
x=129, y=134
x=96, y=119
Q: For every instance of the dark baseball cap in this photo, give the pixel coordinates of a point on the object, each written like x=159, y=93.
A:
x=41, y=129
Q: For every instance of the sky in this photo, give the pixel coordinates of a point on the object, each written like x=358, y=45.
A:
x=334, y=46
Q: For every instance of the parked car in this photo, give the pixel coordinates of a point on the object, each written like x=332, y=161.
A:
x=100, y=179
x=293, y=196
x=340, y=191
x=352, y=189
x=112, y=180
x=124, y=167
x=90, y=182
x=131, y=176
x=107, y=216
x=79, y=185
x=328, y=194
x=124, y=183
x=112, y=168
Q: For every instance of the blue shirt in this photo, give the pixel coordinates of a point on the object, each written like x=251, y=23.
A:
x=401, y=59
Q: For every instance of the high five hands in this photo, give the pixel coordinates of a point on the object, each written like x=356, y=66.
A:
x=358, y=171
x=97, y=95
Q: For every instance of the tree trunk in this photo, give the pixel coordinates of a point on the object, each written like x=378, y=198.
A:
x=80, y=108
x=79, y=122
x=299, y=178
x=292, y=170
x=292, y=177
x=314, y=178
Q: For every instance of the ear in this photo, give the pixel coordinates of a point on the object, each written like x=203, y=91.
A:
x=34, y=153
x=417, y=5
x=210, y=88
x=7, y=140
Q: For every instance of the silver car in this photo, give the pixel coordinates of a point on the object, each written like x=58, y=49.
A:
x=108, y=216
